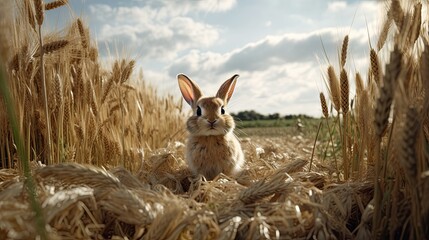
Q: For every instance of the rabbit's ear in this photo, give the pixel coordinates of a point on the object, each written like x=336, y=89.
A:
x=190, y=90
x=225, y=91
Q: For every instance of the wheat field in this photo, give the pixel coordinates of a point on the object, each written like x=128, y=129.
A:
x=90, y=150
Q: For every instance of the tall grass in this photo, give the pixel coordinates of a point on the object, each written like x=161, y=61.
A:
x=384, y=134
x=73, y=108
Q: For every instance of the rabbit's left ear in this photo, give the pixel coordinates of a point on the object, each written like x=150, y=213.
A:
x=190, y=90
x=225, y=91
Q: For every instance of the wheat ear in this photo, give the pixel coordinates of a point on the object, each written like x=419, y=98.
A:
x=52, y=47
x=384, y=32
x=409, y=137
x=375, y=66
x=424, y=71
x=39, y=11
x=55, y=4
x=324, y=105
x=417, y=21
x=334, y=88
x=397, y=14
x=82, y=33
x=344, y=86
x=359, y=84
x=384, y=101
x=344, y=50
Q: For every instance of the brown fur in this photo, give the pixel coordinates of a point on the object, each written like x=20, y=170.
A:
x=212, y=147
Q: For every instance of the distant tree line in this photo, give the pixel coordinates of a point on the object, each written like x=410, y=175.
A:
x=251, y=115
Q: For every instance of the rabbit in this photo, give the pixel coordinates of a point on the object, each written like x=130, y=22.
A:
x=211, y=147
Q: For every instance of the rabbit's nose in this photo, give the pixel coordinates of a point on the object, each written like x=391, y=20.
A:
x=212, y=122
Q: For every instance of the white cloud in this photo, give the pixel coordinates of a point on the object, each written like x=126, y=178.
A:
x=337, y=6
x=270, y=51
x=278, y=73
x=153, y=32
x=186, y=6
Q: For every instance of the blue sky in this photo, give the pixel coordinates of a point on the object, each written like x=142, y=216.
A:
x=275, y=45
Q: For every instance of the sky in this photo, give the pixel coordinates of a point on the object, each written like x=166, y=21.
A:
x=276, y=46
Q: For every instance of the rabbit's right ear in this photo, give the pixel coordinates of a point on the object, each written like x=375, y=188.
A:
x=190, y=90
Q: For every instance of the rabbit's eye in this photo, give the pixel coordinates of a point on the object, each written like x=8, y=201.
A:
x=198, y=111
x=222, y=111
